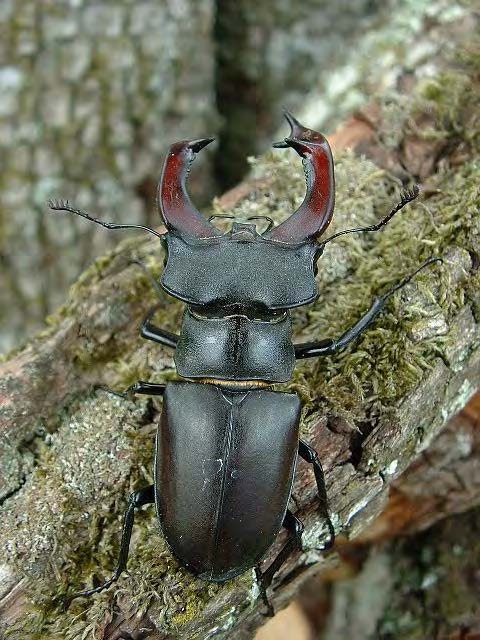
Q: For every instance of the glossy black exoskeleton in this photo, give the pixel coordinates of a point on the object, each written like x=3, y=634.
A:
x=227, y=444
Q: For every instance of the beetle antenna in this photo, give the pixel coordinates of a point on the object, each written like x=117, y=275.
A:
x=407, y=196
x=65, y=206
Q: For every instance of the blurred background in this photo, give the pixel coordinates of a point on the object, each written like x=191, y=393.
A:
x=93, y=92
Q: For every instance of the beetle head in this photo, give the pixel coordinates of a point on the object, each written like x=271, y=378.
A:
x=243, y=267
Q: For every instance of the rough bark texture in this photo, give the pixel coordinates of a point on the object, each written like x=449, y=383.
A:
x=414, y=573
x=71, y=455
x=91, y=94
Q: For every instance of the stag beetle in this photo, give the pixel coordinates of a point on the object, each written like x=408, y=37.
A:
x=227, y=443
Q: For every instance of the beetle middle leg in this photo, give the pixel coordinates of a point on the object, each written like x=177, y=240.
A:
x=140, y=387
x=146, y=388
x=294, y=541
x=137, y=499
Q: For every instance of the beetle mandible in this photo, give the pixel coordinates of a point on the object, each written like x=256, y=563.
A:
x=227, y=444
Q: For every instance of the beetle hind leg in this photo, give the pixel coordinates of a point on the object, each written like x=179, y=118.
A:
x=294, y=542
x=296, y=527
x=137, y=500
x=309, y=454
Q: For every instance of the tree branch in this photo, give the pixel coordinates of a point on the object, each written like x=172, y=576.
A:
x=70, y=456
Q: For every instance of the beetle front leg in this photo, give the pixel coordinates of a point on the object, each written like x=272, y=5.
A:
x=137, y=500
x=309, y=454
x=151, y=332
x=328, y=347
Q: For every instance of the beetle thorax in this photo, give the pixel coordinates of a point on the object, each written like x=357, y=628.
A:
x=240, y=268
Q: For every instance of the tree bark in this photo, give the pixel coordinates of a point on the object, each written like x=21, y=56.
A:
x=70, y=455
x=413, y=573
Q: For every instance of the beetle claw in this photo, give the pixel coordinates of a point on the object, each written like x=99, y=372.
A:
x=177, y=211
x=313, y=216
x=263, y=593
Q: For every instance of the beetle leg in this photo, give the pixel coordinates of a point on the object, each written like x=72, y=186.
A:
x=137, y=499
x=150, y=332
x=147, y=388
x=294, y=541
x=327, y=347
x=263, y=592
x=309, y=454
